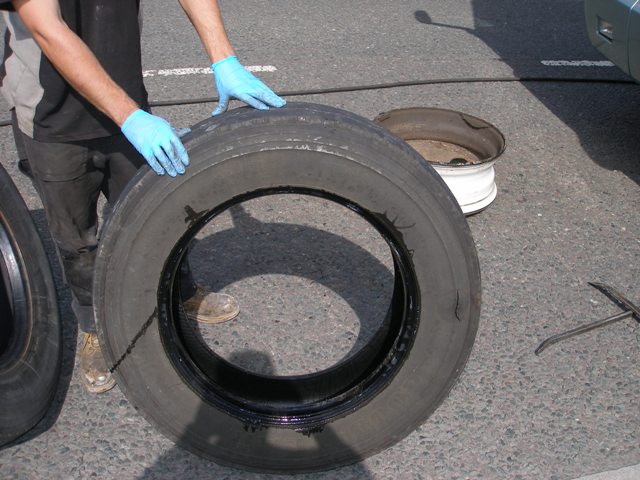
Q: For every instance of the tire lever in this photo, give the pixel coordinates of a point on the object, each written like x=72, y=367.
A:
x=631, y=310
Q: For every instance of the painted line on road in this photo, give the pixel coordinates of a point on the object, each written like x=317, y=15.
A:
x=177, y=72
x=577, y=63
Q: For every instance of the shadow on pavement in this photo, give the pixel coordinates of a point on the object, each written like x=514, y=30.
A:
x=603, y=116
x=177, y=462
x=251, y=249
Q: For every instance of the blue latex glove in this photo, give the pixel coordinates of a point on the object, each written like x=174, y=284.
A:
x=157, y=142
x=235, y=81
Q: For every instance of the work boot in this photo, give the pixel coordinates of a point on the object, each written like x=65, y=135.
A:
x=95, y=375
x=206, y=306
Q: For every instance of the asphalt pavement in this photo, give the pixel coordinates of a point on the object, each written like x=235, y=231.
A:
x=566, y=214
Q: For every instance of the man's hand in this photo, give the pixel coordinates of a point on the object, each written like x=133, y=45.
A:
x=157, y=142
x=235, y=81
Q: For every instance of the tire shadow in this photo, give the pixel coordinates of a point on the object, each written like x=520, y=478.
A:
x=352, y=270
x=177, y=460
x=253, y=249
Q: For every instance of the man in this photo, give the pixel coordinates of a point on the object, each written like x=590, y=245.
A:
x=72, y=75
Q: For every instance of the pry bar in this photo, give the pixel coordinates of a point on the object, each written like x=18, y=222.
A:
x=631, y=310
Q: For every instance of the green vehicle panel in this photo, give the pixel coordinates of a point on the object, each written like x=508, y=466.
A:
x=613, y=27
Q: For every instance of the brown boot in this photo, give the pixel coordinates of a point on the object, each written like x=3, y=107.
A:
x=95, y=375
x=211, y=307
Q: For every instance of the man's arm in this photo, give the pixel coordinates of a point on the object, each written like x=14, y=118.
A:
x=73, y=59
x=232, y=79
x=207, y=20
x=152, y=136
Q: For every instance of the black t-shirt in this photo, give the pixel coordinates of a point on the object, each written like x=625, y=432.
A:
x=48, y=109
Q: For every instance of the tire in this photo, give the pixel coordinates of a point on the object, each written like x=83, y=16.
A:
x=30, y=333
x=311, y=422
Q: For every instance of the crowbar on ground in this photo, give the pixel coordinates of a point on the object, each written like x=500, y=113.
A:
x=630, y=310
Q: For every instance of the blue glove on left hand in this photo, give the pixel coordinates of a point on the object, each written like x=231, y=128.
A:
x=233, y=80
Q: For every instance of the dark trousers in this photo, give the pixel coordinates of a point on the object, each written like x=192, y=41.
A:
x=69, y=178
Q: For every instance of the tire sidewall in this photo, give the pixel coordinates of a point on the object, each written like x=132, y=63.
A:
x=157, y=213
x=28, y=382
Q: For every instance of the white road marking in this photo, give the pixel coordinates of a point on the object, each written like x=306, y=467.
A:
x=577, y=63
x=171, y=72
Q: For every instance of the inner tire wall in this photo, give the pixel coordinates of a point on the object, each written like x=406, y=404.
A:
x=29, y=373
x=305, y=146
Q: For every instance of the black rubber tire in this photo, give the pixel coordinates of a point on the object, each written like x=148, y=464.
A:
x=30, y=333
x=301, y=147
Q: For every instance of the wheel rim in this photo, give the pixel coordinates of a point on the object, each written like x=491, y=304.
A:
x=303, y=402
x=14, y=312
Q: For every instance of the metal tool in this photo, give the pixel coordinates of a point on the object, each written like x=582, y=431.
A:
x=630, y=311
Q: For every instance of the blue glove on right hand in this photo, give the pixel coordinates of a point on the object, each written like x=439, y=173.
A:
x=235, y=81
x=157, y=142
